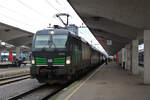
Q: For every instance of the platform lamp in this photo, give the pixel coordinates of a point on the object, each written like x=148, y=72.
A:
x=2, y=43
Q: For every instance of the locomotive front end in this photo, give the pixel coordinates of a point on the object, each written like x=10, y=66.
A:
x=50, y=55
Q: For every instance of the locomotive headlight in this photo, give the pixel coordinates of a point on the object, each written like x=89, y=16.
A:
x=68, y=60
x=33, y=61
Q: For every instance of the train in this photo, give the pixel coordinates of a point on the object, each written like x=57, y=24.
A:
x=58, y=55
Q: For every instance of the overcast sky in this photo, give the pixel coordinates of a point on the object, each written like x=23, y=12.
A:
x=33, y=15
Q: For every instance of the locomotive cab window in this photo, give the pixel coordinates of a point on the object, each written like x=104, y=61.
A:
x=60, y=41
x=50, y=41
x=42, y=41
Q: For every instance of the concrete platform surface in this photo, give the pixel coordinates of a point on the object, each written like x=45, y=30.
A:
x=108, y=82
x=15, y=71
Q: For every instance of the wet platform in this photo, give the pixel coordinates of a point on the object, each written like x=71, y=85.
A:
x=108, y=82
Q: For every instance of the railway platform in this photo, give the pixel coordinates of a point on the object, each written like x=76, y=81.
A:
x=13, y=71
x=108, y=82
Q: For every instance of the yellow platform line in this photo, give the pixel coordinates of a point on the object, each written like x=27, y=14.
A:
x=76, y=89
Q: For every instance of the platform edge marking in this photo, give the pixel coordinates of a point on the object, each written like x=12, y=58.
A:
x=76, y=89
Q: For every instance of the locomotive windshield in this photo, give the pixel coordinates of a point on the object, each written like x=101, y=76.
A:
x=50, y=41
x=42, y=41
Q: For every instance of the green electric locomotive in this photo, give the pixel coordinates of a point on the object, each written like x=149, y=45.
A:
x=58, y=56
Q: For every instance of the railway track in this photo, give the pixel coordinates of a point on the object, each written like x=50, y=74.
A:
x=8, y=80
x=42, y=92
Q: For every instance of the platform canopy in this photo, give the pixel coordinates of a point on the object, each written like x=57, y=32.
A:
x=15, y=36
x=120, y=21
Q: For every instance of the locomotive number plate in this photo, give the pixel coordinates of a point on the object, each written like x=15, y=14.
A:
x=49, y=60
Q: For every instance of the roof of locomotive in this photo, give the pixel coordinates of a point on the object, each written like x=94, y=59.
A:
x=56, y=31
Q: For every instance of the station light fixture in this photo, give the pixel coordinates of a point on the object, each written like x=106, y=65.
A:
x=109, y=42
x=3, y=43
